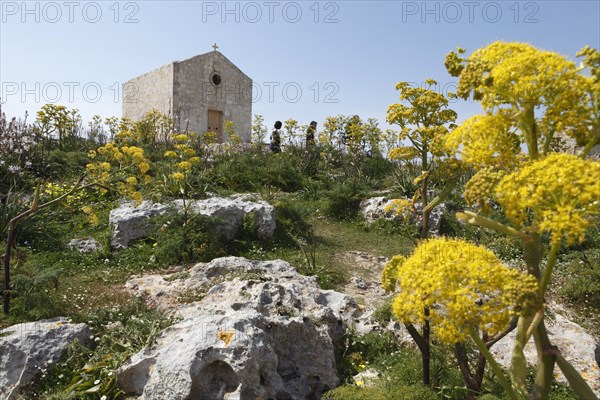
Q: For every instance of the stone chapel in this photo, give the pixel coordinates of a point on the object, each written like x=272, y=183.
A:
x=199, y=93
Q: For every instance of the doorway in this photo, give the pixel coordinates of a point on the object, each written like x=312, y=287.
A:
x=215, y=123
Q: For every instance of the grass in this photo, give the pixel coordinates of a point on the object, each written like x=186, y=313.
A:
x=316, y=249
x=335, y=237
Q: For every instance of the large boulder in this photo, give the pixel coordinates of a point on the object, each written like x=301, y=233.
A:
x=254, y=330
x=28, y=349
x=576, y=345
x=129, y=222
x=231, y=212
x=374, y=209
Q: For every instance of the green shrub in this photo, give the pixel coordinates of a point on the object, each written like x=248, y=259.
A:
x=255, y=169
x=290, y=221
x=400, y=181
x=376, y=169
x=583, y=285
x=383, y=314
x=327, y=276
x=505, y=247
x=183, y=239
x=250, y=226
x=394, y=227
x=342, y=202
x=45, y=231
x=312, y=189
x=356, y=393
x=32, y=294
x=10, y=207
x=360, y=351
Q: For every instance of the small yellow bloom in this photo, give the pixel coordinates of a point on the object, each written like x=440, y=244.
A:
x=177, y=176
x=181, y=138
x=184, y=165
x=389, y=276
x=144, y=167
x=189, y=153
x=137, y=197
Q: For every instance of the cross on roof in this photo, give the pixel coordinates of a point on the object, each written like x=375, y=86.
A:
x=215, y=47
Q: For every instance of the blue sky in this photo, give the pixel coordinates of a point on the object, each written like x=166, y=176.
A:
x=307, y=59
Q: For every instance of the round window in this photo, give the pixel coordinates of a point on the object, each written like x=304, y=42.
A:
x=216, y=79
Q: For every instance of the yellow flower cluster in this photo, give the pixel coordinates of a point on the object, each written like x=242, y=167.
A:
x=525, y=78
x=226, y=337
x=210, y=137
x=127, y=136
x=485, y=140
x=55, y=190
x=481, y=188
x=449, y=169
x=183, y=157
x=181, y=138
x=562, y=192
x=92, y=216
x=389, y=276
x=123, y=166
x=403, y=153
x=401, y=208
x=71, y=202
x=463, y=286
x=177, y=176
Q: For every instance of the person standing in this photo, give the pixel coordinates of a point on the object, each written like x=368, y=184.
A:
x=275, y=145
x=310, y=134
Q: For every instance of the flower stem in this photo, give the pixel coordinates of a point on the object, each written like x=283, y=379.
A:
x=575, y=379
x=549, y=267
x=495, y=367
x=479, y=220
x=545, y=367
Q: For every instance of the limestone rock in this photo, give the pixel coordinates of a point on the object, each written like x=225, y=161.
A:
x=128, y=222
x=231, y=211
x=29, y=348
x=374, y=208
x=258, y=330
x=243, y=355
x=575, y=344
x=88, y=245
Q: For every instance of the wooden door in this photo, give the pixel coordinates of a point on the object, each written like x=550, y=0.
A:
x=215, y=123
